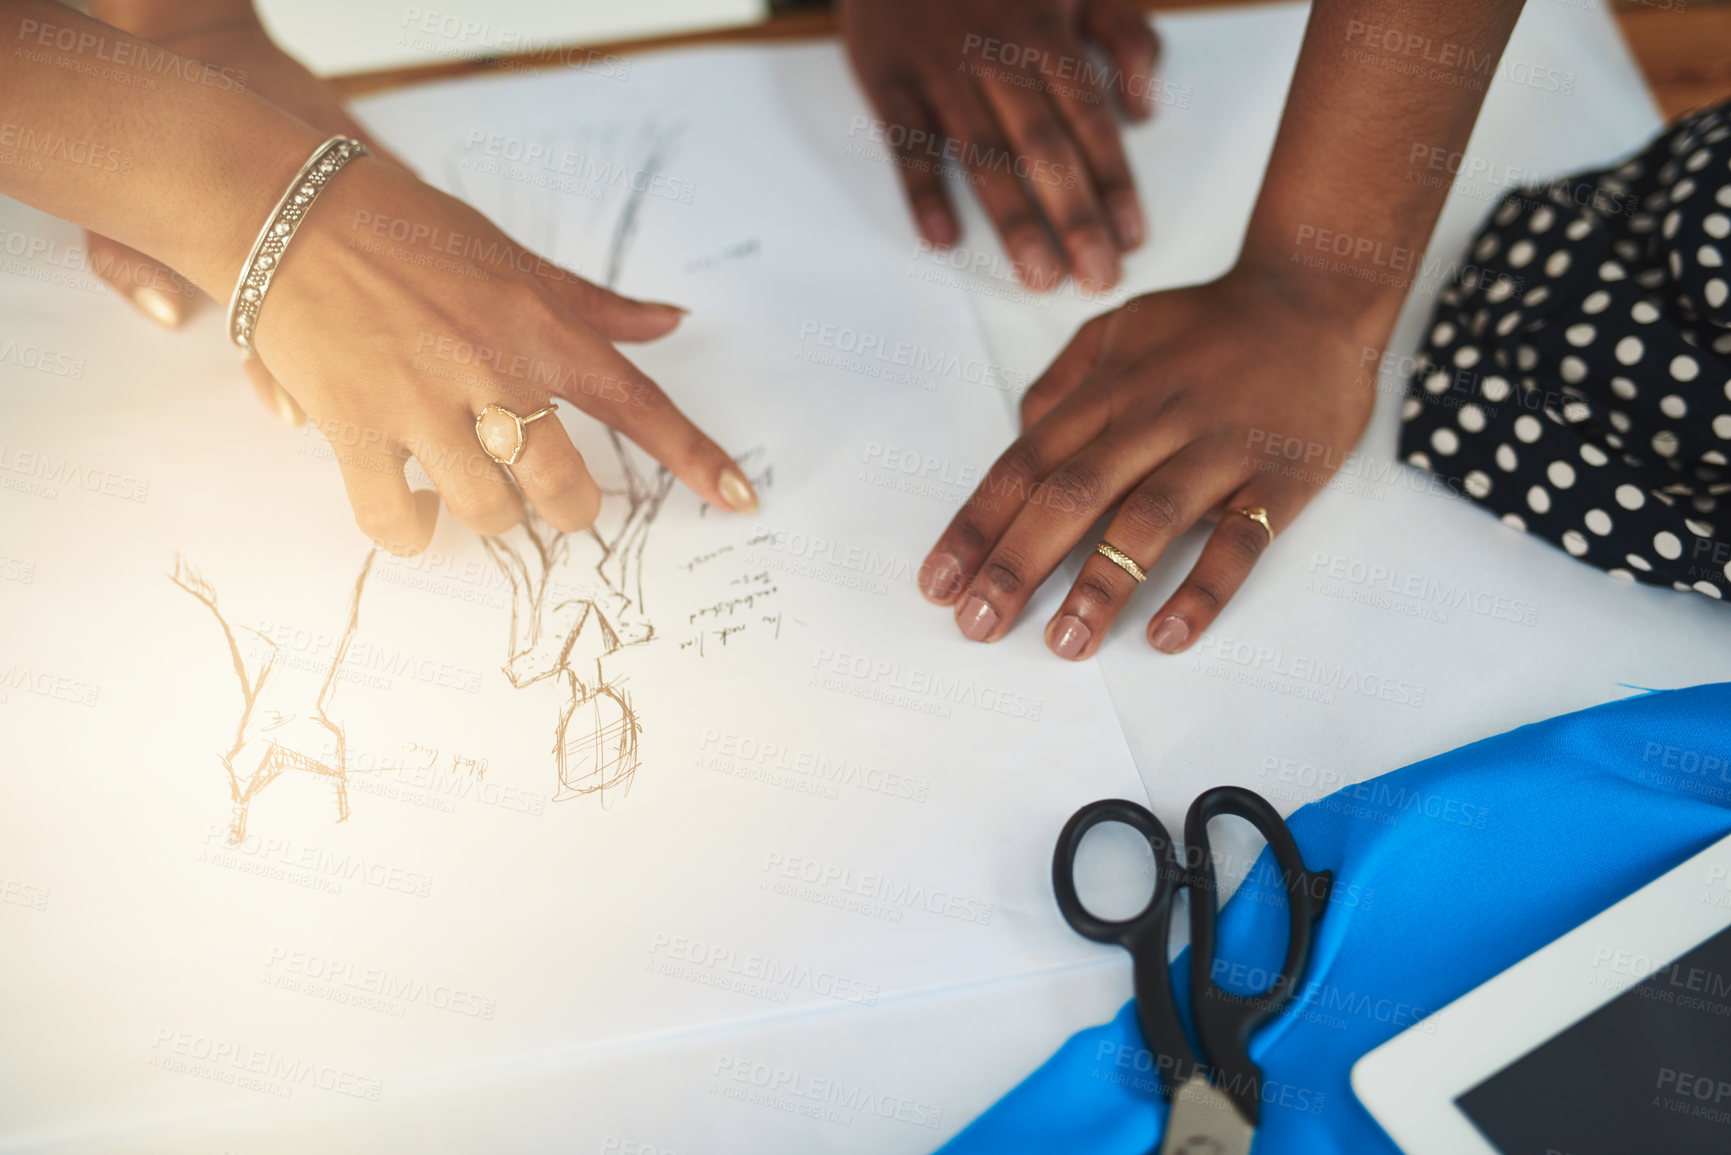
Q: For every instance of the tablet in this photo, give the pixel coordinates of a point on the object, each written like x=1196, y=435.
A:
x=1615, y=1038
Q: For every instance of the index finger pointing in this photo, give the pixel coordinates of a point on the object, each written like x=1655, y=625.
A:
x=618, y=394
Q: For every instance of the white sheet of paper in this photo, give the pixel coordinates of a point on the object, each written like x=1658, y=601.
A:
x=832, y=798
x=947, y=1054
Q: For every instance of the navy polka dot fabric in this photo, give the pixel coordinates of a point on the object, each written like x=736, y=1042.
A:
x=1576, y=379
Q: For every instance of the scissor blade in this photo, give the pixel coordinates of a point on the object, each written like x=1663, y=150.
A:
x=1203, y=1121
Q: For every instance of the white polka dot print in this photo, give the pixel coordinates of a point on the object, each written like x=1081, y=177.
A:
x=1599, y=415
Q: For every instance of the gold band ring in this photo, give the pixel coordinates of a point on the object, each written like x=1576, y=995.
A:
x=1122, y=560
x=1260, y=516
x=500, y=431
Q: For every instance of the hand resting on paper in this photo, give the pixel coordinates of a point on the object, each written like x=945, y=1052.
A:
x=1159, y=408
x=1155, y=408
x=398, y=312
x=1010, y=93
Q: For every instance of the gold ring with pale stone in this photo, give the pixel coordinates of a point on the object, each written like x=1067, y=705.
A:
x=500, y=431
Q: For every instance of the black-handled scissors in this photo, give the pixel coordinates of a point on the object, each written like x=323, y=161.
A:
x=1215, y=1099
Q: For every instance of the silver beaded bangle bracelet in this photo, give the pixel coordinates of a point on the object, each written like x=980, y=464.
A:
x=279, y=229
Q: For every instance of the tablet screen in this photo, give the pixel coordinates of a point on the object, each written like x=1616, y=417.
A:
x=1648, y=1071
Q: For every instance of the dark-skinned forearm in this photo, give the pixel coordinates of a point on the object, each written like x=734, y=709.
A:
x=1378, y=83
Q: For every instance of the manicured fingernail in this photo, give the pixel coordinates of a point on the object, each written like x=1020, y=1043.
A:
x=943, y=576
x=1169, y=637
x=1036, y=266
x=937, y=225
x=737, y=492
x=977, y=619
x=1069, y=636
x=680, y=309
x=1096, y=265
x=1127, y=220
x=156, y=305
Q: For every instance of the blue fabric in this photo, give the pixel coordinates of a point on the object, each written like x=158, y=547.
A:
x=1449, y=871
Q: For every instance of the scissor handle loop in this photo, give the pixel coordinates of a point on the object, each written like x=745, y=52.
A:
x=1124, y=931
x=1224, y=1020
x=1146, y=935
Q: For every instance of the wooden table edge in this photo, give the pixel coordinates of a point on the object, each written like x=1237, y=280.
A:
x=1677, y=44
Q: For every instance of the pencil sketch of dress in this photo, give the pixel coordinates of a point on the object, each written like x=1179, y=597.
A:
x=578, y=597
x=269, y=741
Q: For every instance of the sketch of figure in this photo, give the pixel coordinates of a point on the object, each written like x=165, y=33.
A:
x=269, y=742
x=576, y=598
